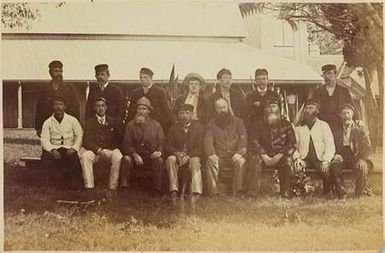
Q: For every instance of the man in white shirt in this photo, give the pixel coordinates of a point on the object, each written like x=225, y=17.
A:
x=315, y=142
x=61, y=139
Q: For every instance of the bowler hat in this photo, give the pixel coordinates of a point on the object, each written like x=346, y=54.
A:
x=144, y=101
x=313, y=101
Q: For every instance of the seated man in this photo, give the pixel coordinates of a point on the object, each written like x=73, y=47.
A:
x=102, y=138
x=352, y=152
x=271, y=144
x=225, y=146
x=61, y=139
x=184, y=146
x=316, y=147
x=143, y=145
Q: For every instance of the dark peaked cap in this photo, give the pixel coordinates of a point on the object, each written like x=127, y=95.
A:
x=146, y=71
x=185, y=107
x=60, y=98
x=100, y=99
x=55, y=64
x=101, y=67
x=328, y=67
x=222, y=72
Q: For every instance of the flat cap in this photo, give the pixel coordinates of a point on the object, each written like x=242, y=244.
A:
x=313, y=101
x=60, y=98
x=146, y=71
x=328, y=67
x=55, y=64
x=349, y=106
x=185, y=107
x=144, y=101
x=222, y=72
x=100, y=99
x=261, y=72
x=191, y=76
x=268, y=100
x=101, y=67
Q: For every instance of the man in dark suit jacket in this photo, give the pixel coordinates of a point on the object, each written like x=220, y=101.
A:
x=331, y=97
x=254, y=100
x=112, y=93
x=352, y=152
x=101, y=141
x=184, y=146
x=234, y=97
x=156, y=96
x=55, y=88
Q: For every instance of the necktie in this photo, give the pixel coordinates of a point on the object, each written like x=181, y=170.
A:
x=101, y=121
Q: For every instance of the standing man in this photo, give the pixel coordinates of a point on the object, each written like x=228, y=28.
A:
x=156, y=96
x=102, y=138
x=193, y=84
x=225, y=144
x=143, y=146
x=112, y=93
x=236, y=100
x=184, y=147
x=331, y=97
x=271, y=144
x=61, y=139
x=54, y=88
x=254, y=99
x=316, y=147
x=352, y=152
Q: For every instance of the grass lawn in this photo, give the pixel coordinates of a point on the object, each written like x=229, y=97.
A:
x=135, y=221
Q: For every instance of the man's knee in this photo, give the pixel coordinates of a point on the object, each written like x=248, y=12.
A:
x=87, y=155
x=194, y=164
x=158, y=162
x=127, y=161
x=171, y=160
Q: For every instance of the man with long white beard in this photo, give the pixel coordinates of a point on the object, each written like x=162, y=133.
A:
x=271, y=144
x=143, y=146
x=225, y=146
x=316, y=147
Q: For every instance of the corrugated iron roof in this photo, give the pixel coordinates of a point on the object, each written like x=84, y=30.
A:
x=28, y=59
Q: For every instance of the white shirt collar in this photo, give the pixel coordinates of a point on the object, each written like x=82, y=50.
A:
x=262, y=91
x=64, y=117
x=148, y=88
x=101, y=118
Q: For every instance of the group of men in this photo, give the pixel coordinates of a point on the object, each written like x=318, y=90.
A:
x=202, y=136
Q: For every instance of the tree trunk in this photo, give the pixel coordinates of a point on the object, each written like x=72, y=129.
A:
x=371, y=109
x=380, y=76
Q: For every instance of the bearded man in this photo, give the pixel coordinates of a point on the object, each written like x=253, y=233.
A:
x=225, y=146
x=271, y=144
x=143, y=146
x=352, y=152
x=316, y=147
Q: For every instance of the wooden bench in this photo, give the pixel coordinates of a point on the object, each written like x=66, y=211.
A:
x=31, y=162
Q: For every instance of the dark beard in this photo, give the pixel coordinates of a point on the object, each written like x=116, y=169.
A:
x=308, y=118
x=223, y=119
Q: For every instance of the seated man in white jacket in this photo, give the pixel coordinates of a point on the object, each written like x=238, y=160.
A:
x=315, y=144
x=61, y=139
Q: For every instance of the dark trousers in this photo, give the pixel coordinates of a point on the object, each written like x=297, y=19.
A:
x=154, y=165
x=349, y=162
x=63, y=171
x=284, y=167
x=327, y=177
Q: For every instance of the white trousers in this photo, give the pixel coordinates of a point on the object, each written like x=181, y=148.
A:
x=89, y=158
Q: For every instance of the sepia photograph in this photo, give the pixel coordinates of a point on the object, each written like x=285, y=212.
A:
x=192, y=125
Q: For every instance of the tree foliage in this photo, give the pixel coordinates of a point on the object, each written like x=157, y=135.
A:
x=18, y=15
x=357, y=25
